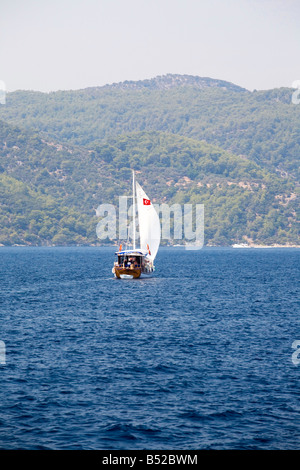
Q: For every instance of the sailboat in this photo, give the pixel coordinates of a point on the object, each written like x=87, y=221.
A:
x=139, y=261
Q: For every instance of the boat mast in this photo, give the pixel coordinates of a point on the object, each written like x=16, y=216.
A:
x=133, y=207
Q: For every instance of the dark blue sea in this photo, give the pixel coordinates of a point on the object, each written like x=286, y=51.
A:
x=197, y=357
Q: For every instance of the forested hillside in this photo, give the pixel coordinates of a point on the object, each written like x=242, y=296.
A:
x=190, y=139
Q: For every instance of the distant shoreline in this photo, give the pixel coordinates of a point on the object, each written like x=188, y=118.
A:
x=269, y=246
x=162, y=246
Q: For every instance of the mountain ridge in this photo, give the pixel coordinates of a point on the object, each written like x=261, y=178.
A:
x=191, y=140
x=50, y=191
x=168, y=81
x=159, y=82
x=260, y=125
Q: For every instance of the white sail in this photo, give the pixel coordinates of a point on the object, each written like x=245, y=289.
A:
x=149, y=225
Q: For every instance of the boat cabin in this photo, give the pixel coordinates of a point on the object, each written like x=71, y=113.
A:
x=129, y=259
x=126, y=261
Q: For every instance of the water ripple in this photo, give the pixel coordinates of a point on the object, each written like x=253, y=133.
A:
x=196, y=358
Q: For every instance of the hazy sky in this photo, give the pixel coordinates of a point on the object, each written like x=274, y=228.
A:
x=48, y=45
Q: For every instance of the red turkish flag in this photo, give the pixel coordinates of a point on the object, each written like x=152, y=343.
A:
x=146, y=202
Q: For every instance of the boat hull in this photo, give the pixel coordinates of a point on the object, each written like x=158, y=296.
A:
x=127, y=273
